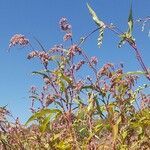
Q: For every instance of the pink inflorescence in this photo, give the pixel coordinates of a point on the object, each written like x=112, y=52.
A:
x=67, y=36
x=73, y=50
x=105, y=70
x=44, y=56
x=18, y=39
x=94, y=60
x=78, y=66
x=79, y=85
x=145, y=102
x=65, y=26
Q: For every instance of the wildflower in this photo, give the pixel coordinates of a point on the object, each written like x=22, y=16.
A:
x=32, y=54
x=78, y=66
x=46, y=80
x=57, y=48
x=44, y=57
x=145, y=102
x=94, y=60
x=64, y=25
x=73, y=50
x=49, y=100
x=18, y=39
x=79, y=85
x=67, y=36
x=105, y=70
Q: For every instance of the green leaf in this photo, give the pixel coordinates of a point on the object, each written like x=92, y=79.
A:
x=94, y=16
x=42, y=73
x=98, y=127
x=136, y=73
x=42, y=113
x=99, y=23
x=127, y=36
x=122, y=41
x=67, y=79
x=64, y=145
x=91, y=100
x=78, y=101
x=45, y=123
x=116, y=128
x=130, y=22
x=82, y=129
x=62, y=85
x=124, y=134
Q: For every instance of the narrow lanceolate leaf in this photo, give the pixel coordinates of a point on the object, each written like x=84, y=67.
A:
x=136, y=73
x=94, y=16
x=45, y=123
x=42, y=73
x=42, y=113
x=99, y=23
x=116, y=129
x=130, y=22
x=91, y=102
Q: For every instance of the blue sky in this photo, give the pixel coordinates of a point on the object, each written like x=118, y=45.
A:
x=40, y=18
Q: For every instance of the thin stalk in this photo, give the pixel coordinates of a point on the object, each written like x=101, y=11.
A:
x=137, y=53
x=139, y=58
x=118, y=32
x=88, y=35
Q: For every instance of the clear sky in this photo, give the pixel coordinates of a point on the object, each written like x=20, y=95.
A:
x=40, y=18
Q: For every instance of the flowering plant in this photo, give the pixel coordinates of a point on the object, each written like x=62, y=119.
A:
x=98, y=111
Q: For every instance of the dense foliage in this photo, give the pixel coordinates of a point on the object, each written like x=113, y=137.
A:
x=101, y=110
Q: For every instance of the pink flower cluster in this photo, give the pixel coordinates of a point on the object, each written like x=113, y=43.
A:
x=94, y=60
x=44, y=56
x=49, y=99
x=105, y=70
x=73, y=50
x=57, y=48
x=65, y=26
x=79, y=65
x=145, y=102
x=67, y=36
x=18, y=39
x=79, y=85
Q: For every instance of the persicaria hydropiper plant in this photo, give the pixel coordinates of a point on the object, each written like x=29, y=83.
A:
x=102, y=111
